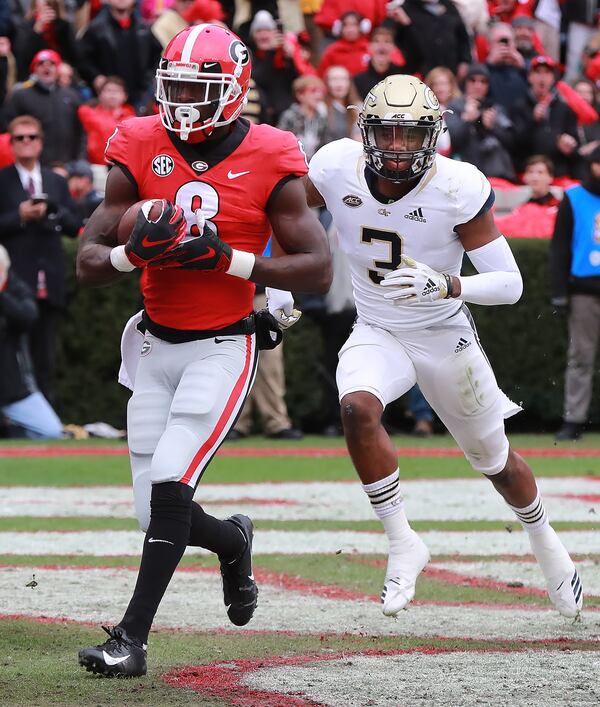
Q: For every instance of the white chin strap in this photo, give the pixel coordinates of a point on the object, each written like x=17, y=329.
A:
x=187, y=116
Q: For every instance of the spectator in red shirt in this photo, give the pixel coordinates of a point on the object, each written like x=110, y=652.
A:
x=352, y=48
x=99, y=121
x=536, y=217
x=331, y=10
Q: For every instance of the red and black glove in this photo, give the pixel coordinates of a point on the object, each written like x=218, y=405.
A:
x=151, y=239
x=205, y=252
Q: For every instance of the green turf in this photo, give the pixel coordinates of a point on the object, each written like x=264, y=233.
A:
x=34, y=523
x=39, y=662
x=92, y=471
x=590, y=440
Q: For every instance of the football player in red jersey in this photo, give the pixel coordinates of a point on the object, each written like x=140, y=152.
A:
x=226, y=185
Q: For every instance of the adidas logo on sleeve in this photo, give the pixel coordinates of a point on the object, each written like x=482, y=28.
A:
x=416, y=215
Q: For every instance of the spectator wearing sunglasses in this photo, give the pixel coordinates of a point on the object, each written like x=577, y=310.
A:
x=35, y=211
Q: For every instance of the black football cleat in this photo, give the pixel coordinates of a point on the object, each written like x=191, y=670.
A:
x=240, y=592
x=120, y=656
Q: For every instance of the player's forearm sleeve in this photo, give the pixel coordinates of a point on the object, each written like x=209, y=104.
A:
x=499, y=280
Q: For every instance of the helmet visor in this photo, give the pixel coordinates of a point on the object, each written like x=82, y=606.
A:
x=399, y=138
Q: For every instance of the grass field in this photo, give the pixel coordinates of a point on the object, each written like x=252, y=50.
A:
x=481, y=622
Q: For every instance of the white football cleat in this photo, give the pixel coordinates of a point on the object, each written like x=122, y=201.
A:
x=399, y=587
x=566, y=593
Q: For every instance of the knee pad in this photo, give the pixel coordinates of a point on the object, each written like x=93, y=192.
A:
x=491, y=454
x=171, y=500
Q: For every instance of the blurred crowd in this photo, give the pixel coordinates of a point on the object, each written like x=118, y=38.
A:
x=518, y=79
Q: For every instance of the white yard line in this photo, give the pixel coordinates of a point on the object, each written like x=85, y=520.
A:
x=517, y=679
x=194, y=601
x=276, y=542
x=441, y=499
x=527, y=573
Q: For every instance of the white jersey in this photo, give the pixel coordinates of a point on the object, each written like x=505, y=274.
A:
x=421, y=225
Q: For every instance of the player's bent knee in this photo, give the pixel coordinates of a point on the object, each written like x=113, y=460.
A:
x=490, y=454
x=360, y=411
x=171, y=499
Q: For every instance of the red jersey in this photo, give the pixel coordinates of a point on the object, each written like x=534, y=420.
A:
x=232, y=181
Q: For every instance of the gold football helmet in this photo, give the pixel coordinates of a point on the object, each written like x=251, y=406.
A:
x=400, y=121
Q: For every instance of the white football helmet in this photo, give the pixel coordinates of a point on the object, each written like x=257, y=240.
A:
x=400, y=121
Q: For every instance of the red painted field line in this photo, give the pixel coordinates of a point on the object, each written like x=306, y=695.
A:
x=87, y=451
x=226, y=681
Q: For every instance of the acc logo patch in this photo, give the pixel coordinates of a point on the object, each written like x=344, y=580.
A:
x=146, y=348
x=163, y=165
x=239, y=52
x=199, y=166
x=352, y=200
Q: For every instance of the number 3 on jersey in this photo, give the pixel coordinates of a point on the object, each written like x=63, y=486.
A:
x=393, y=239
x=198, y=195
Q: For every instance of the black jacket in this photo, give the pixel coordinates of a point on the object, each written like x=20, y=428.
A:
x=108, y=49
x=540, y=137
x=28, y=43
x=18, y=313
x=56, y=108
x=432, y=39
x=37, y=245
x=365, y=81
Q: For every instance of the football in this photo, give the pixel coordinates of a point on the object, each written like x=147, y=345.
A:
x=127, y=221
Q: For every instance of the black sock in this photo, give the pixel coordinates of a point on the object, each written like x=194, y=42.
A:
x=218, y=536
x=165, y=543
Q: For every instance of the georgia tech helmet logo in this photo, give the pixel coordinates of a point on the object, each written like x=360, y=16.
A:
x=239, y=52
x=431, y=100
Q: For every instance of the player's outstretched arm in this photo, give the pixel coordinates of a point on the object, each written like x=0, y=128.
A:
x=305, y=262
x=99, y=237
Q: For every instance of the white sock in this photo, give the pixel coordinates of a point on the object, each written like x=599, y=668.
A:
x=547, y=548
x=388, y=505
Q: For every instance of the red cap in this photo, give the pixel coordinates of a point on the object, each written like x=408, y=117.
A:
x=543, y=60
x=45, y=55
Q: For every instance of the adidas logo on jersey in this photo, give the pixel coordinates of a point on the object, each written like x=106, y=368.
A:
x=462, y=345
x=416, y=215
x=430, y=287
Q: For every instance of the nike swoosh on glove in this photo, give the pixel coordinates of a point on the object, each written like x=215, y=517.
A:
x=204, y=252
x=415, y=282
x=151, y=239
x=280, y=304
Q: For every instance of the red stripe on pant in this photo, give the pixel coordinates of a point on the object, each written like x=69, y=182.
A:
x=228, y=410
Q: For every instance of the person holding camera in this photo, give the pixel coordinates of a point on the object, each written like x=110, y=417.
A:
x=480, y=131
x=23, y=409
x=35, y=211
x=508, y=81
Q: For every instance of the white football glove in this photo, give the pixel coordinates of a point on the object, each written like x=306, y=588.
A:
x=415, y=282
x=280, y=304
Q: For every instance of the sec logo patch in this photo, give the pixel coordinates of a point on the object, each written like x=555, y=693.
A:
x=163, y=165
x=146, y=348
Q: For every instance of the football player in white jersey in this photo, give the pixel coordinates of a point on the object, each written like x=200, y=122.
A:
x=405, y=216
